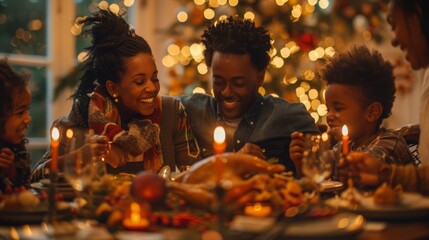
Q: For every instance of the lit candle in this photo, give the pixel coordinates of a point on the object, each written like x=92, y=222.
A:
x=54, y=146
x=219, y=146
x=71, y=140
x=345, y=139
x=258, y=210
x=135, y=221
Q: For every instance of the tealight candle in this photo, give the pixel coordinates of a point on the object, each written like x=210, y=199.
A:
x=135, y=221
x=345, y=140
x=219, y=147
x=54, y=146
x=258, y=210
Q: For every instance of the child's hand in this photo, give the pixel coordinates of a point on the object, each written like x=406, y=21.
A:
x=296, y=148
x=296, y=151
x=6, y=158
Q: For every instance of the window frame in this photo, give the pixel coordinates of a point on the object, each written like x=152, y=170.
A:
x=58, y=61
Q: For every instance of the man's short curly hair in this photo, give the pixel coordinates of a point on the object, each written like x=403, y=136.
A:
x=238, y=36
x=366, y=70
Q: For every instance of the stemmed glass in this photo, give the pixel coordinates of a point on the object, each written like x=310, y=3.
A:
x=79, y=171
x=316, y=163
x=82, y=167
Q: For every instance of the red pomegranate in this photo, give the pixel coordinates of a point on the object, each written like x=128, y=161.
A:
x=148, y=186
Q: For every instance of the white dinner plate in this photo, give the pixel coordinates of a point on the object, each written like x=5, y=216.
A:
x=342, y=225
x=46, y=182
x=68, y=192
x=411, y=205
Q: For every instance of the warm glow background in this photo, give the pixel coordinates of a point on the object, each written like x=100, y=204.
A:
x=41, y=37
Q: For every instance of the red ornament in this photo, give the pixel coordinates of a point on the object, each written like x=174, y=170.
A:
x=307, y=42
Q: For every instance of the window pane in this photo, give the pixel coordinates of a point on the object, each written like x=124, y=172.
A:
x=23, y=27
x=38, y=104
x=36, y=154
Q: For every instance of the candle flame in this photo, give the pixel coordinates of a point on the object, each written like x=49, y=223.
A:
x=135, y=207
x=219, y=134
x=27, y=230
x=258, y=207
x=345, y=130
x=325, y=136
x=69, y=133
x=14, y=233
x=55, y=134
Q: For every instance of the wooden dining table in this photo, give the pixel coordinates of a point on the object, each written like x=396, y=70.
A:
x=409, y=227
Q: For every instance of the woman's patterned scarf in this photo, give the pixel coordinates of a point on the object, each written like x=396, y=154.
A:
x=141, y=137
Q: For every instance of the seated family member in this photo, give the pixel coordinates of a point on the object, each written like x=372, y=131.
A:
x=117, y=97
x=360, y=93
x=15, y=100
x=237, y=53
x=410, y=22
x=15, y=118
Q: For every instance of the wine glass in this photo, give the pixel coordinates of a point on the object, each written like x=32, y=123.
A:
x=79, y=171
x=316, y=162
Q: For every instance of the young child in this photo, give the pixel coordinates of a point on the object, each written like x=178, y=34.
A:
x=360, y=94
x=15, y=100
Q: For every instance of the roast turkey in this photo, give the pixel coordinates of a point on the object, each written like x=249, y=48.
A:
x=239, y=174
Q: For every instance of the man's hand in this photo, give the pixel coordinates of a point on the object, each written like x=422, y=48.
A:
x=252, y=149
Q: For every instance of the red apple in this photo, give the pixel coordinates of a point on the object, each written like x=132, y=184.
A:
x=148, y=186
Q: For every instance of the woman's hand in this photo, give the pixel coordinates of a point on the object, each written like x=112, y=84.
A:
x=100, y=145
x=97, y=146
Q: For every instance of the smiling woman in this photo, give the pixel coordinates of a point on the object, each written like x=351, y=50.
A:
x=118, y=97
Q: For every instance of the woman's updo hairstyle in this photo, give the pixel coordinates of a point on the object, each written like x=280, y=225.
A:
x=113, y=41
